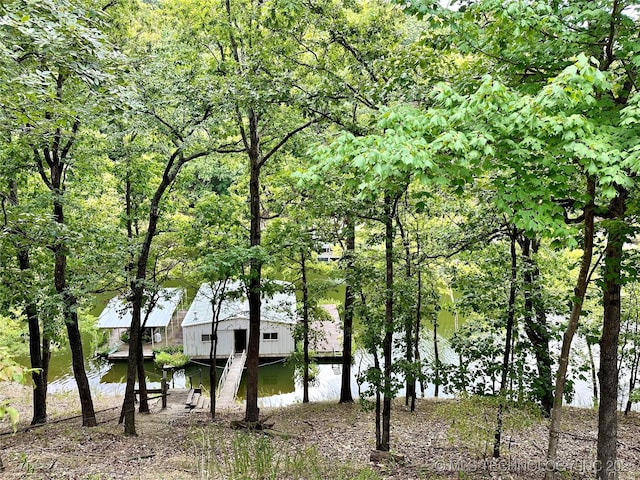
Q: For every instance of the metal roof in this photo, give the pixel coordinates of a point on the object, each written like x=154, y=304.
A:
x=279, y=308
x=117, y=313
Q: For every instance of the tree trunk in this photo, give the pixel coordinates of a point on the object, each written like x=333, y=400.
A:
x=633, y=374
x=39, y=345
x=511, y=313
x=535, y=324
x=128, y=406
x=142, y=378
x=347, y=356
x=387, y=343
x=70, y=306
x=39, y=351
x=376, y=365
x=219, y=293
x=253, y=350
x=416, y=343
x=594, y=375
x=54, y=159
x=135, y=367
x=578, y=298
x=436, y=356
x=305, y=330
x=410, y=383
x=608, y=374
x=129, y=268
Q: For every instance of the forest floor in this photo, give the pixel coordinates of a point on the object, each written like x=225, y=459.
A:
x=442, y=439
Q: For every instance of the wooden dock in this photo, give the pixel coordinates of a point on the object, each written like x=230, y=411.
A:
x=330, y=342
x=182, y=401
x=231, y=380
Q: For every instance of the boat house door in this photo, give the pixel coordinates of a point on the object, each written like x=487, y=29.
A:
x=240, y=340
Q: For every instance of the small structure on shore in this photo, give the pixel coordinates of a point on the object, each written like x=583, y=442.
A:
x=116, y=316
x=278, y=318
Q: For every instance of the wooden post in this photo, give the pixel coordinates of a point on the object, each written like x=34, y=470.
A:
x=164, y=388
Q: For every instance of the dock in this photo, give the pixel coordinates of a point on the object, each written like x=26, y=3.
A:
x=230, y=380
x=329, y=346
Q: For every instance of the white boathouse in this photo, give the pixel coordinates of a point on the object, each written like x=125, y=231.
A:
x=117, y=315
x=278, y=318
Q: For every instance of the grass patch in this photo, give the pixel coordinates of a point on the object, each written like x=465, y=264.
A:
x=253, y=456
x=473, y=420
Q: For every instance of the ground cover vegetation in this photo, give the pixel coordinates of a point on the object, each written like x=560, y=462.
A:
x=486, y=154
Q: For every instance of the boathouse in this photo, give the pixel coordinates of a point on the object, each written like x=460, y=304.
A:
x=116, y=317
x=278, y=318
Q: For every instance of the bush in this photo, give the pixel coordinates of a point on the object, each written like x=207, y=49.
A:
x=177, y=359
x=171, y=349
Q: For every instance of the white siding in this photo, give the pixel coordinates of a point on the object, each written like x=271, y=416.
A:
x=283, y=346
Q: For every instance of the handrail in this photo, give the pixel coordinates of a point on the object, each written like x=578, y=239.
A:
x=225, y=372
x=243, y=357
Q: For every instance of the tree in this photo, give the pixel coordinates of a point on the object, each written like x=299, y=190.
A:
x=602, y=31
x=179, y=105
x=23, y=291
x=56, y=54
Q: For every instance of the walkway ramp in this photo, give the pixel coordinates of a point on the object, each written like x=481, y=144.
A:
x=230, y=380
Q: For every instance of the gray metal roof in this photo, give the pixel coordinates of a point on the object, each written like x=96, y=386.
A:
x=117, y=313
x=279, y=308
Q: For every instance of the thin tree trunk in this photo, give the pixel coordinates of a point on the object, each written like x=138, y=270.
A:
x=387, y=343
x=39, y=353
x=143, y=407
x=608, y=375
x=633, y=378
x=635, y=362
x=511, y=313
x=535, y=324
x=127, y=414
x=436, y=356
x=347, y=355
x=594, y=375
x=219, y=292
x=410, y=383
x=376, y=365
x=416, y=341
x=578, y=298
x=305, y=330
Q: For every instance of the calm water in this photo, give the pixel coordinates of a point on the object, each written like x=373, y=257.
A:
x=277, y=383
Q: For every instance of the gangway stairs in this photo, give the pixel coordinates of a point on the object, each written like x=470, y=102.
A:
x=230, y=379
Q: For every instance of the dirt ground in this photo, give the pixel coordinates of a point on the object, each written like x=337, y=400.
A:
x=441, y=439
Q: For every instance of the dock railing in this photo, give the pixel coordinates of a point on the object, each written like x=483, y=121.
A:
x=243, y=357
x=225, y=372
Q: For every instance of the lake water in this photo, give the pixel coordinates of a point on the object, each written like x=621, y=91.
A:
x=277, y=384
